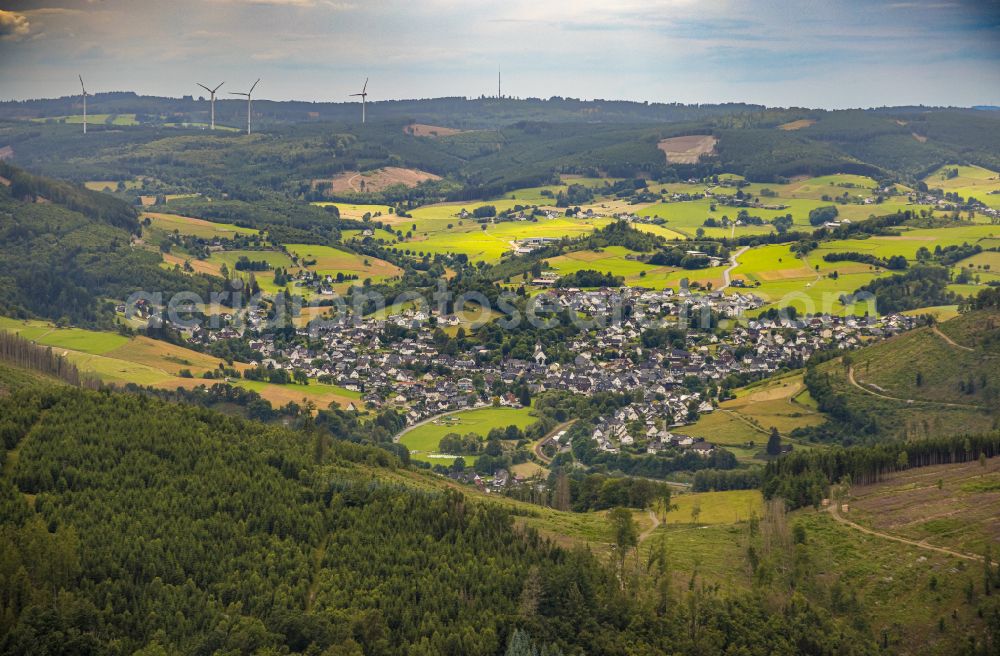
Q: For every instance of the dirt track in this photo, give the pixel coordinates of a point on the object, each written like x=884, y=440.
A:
x=853, y=381
x=913, y=543
x=649, y=531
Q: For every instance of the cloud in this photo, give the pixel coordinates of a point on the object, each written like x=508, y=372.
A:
x=13, y=26
x=305, y=4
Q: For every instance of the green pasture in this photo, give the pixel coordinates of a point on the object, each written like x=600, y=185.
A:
x=184, y=225
x=423, y=440
x=74, y=339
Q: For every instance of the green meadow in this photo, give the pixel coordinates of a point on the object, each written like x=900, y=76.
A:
x=423, y=440
x=184, y=225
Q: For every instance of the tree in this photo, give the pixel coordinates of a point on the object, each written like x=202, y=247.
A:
x=774, y=443
x=821, y=215
x=626, y=536
x=695, y=512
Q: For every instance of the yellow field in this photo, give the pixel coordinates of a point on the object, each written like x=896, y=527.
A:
x=186, y=225
x=716, y=507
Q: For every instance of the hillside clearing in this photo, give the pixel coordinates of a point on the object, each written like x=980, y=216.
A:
x=688, y=149
x=377, y=180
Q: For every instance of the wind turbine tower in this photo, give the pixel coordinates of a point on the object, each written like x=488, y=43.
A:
x=84, y=90
x=211, y=93
x=364, y=95
x=249, y=100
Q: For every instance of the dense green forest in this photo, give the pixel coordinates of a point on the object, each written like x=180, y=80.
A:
x=65, y=250
x=130, y=525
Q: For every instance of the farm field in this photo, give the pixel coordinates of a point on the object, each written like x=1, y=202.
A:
x=358, y=211
x=637, y=274
x=331, y=261
x=92, y=119
x=729, y=507
x=983, y=266
x=112, y=185
x=185, y=225
x=952, y=506
x=974, y=181
x=788, y=281
x=797, y=125
x=783, y=403
x=423, y=440
x=120, y=360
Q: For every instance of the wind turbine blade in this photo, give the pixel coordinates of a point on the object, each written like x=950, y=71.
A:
x=218, y=87
x=204, y=87
x=365, y=88
x=82, y=88
x=254, y=86
x=237, y=93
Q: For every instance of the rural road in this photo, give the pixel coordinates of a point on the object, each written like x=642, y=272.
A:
x=853, y=381
x=913, y=543
x=733, y=263
x=649, y=531
x=538, y=445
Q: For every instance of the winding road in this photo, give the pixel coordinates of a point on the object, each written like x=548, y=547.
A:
x=733, y=263
x=538, y=445
x=913, y=543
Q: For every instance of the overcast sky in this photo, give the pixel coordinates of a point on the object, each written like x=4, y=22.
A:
x=829, y=53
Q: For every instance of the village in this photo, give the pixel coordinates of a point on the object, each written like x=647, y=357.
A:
x=672, y=383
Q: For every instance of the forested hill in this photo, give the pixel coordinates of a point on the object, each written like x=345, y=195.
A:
x=517, y=144
x=131, y=526
x=65, y=250
x=473, y=113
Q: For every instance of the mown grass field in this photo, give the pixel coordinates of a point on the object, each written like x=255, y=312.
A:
x=185, y=225
x=331, y=261
x=112, y=185
x=92, y=119
x=423, y=440
x=785, y=280
x=716, y=507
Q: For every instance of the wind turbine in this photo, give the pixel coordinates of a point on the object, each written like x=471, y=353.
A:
x=211, y=93
x=247, y=94
x=363, y=94
x=84, y=90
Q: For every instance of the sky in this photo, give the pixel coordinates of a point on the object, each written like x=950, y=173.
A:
x=805, y=53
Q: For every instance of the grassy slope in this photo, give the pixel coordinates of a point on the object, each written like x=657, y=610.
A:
x=117, y=359
x=893, y=365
